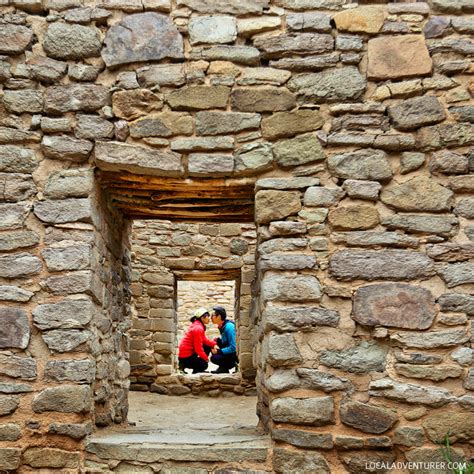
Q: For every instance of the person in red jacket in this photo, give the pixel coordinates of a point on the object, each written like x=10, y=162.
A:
x=195, y=347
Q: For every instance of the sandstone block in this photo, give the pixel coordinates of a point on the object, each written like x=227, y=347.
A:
x=394, y=305
x=124, y=41
x=288, y=45
x=23, y=101
x=19, y=265
x=298, y=151
x=73, y=430
x=395, y=57
x=14, y=293
x=236, y=54
x=455, y=274
x=244, y=7
x=331, y=85
x=283, y=351
x=15, y=159
x=13, y=217
x=434, y=455
x=432, y=340
x=69, y=183
x=316, y=411
x=66, y=148
x=51, y=458
x=370, y=238
x=212, y=29
x=161, y=75
x=91, y=127
x=436, y=373
x=14, y=39
x=23, y=368
x=198, y=98
x=283, y=262
x=8, y=405
x=285, y=460
x=449, y=162
x=298, y=318
x=254, y=25
x=10, y=458
x=290, y=288
x=367, y=418
x=16, y=187
x=360, y=359
x=416, y=112
x=353, y=217
x=361, y=164
x=275, y=205
x=423, y=224
x=115, y=156
x=63, y=340
x=265, y=99
x=289, y=124
x=135, y=103
x=70, y=370
x=409, y=436
x=417, y=358
x=308, y=21
x=62, y=211
x=9, y=432
x=457, y=302
x=318, y=380
x=200, y=164
x=365, y=19
x=217, y=123
x=67, y=314
x=75, y=97
x=380, y=265
x=253, y=158
x=165, y=124
x=64, y=399
x=65, y=41
x=44, y=69
x=304, y=439
x=458, y=426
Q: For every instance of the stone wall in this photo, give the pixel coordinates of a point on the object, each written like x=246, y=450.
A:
x=357, y=122
x=165, y=257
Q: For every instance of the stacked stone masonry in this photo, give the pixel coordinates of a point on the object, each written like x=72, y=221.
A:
x=356, y=124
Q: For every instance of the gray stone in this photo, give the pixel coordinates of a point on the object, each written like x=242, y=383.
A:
x=416, y=112
x=431, y=340
x=237, y=54
x=465, y=208
x=360, y=189
x=285, y=461
x=314, y=379
x=264, y=99
x=69, y=183
x=55, y=125
x=361, y=359
x=436, y=26
x=417, y=358
x=457, y=303
x=310, y=21
x=51, y=458
x=436, y=373
x=10, y=458
x=369, y=238
x=463, y=114
x=298, y=151
x=67, y=258
x=450, y=252
x=410, y=393
x=272, y=205
x=91, y=127
x=281, y=380
x=115, y=156
x=411, y=161
x=66, y=314
x=124, y=40
x=283, y=351
x=73, y=430
x=448, y=162
x=282, y=245
x=244, y=7
x=66, y=148
x=19, y=265
x=75, y=97
x=15, y=328
x=202, y=144
x=23, y=101
x=306, y=63
x=23, y=368
x=13, y=217
x=455, y=274
x=64, y=399
x=83, y=72
x=263, y=76
x=277, y=287
x=161, y=75
x=418, y=194
x=15, y=159
x=365, y=417
x=298, y=318
x=332, y=85
x=370, y=265
x=14, y=293
x=394, y=305
x=462, y=183
x=357, y=462
x=286, y=183
x=361, y=164
x=45, y=70
x=423, y=224
x=8, y=404
x=63, y=340
x=288, y=45
x=70, y=370
x=16, y=187
x=14, y=39
x=303, y=438
x=218, y=123
x=253, y=158
x=349, y=43
x=72, y=283
x=316, y=411
x=63, y=41
x=289, y=124
x=463, y=356
x=163, y=125
x=409, y=436
x=9, y=432
x=284, y=262
x=15, y=388
x=212, y=29
x=205, y=164
x=64, y=210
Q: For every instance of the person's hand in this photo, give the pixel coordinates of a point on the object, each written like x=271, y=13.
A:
x=214, y=350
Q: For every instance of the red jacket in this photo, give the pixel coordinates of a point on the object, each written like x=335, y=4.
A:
x=193, y=341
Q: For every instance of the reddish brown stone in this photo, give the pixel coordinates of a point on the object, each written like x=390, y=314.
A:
x=367, y=418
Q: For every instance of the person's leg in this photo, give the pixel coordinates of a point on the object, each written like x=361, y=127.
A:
x=224, y=362
x=198, y=365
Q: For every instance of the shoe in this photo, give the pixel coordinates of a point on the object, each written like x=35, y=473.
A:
x=220, y=371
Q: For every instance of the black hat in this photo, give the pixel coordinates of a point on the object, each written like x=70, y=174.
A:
x=220, y=311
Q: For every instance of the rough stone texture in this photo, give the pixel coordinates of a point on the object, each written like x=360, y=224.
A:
x=435, y=373
x=283, y=288
x=64, y=210
x=274, y=205
x=63, y=340
x=10, y=458
x=449, y=162
x=360, y=359
x=316, y=411
x=459, y=426
x=72, y=430
x=299, y=318
x=124, y=41
x=8, y=404
x=135, y=103
x=304, y=439
x=283, y=351
x=455, y=274
x=14, y=39
x=51, y=458
x=361, y=164
x=19, y=265
x=10, y=432
x=332, y=85
x=66, y=399
x=418, y=194
x=448, y=338
x=26, y=100
x=289, y=124
x=202, y=164
x=319, y=380
x=457, y=302
x=423, y=224
x=64, y=41
x=394, y=305
x=416, y=112
x=13, y=217
x=69, y=183
x=67, y=314
x=295, y=461
x=409, y=436
x=356, y=461
x=366, y=418
x=353, y=217
x=75, y=97
x=199, y=98
x=395, y=57
x=212, y=29
x=70, y=370
x=361, y=20
x=15, y=159
x=66, y=148
x=464, y=208
x=14, y=293
x=360, y=189
x=380, y=265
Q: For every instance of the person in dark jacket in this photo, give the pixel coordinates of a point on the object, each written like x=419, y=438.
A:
x=195, y=347
x=225, y=353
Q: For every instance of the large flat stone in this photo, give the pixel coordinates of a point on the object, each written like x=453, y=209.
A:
x=276, y=287
x=370, y=265
x=198, y=98
x=361, y=164
x=298, y=151
x=458, y=426
x=19, y=265
x=273, y=205
x=165, y=124
x=66, y=148
x=70, y=370
x=395, y=57
x=23, y=368
x=206, y=164
x=212, y=29
x=298, y=318
x=64, y=210
x=75, y=97
x=264, y=99
x=65, y=41
x=316, y=411
x=67, y=258
x=253, y=158
x=417, y=112
x=367, y=418
x=303, y=438
x=125, y=41
x=353, y=217
x=445, y=225
x=289, y=124
x=23, y=101
x=115, y=156
x=66, y=314
x=288, y=44
x=16, y=187
x=14, y=293
x=218, y=123
x=431, y=340
x=394, y=305
x=371, y=238
x=64, y=399
x=237, y=54
x=13, y=217
x=66, y=340
x=8, y=405
x=16, y=159
x=10, y=458
x=69, y=183
x=51, y=458
x=132, y=104
x=161, y=75
x=14, y=39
